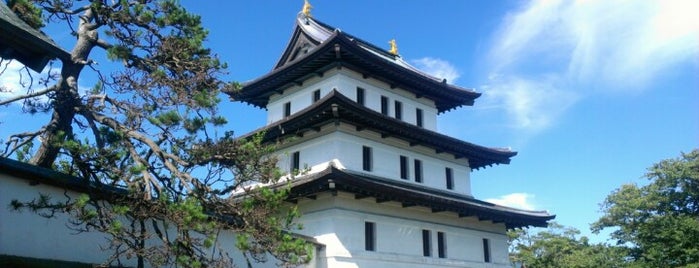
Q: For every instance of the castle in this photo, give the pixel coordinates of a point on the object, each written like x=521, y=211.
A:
x=377, y=186
x=381, y=187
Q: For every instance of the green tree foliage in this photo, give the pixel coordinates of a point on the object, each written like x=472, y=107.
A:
x=145, y=136
x=559, y=246
x=658, y=221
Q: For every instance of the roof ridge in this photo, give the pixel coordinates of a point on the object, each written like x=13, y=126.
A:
x=354, y=38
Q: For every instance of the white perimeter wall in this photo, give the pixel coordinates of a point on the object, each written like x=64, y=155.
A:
x=338, y=222
x=346, y=82
x=345, y=150
x=26, y=234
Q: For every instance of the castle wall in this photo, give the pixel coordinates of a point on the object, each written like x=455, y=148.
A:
x=346, y=82
x=342, y=146
x=26, y=234
x=339, y=222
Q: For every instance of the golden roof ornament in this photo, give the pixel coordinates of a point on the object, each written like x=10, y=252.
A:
x=394, y=47
x=306, y=8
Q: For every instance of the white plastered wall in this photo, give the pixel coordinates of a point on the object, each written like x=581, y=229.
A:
x=346, y=82
x=338, y=221
x=26, y=234
x=344, y=148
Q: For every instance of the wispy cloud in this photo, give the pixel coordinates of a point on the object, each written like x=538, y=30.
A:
x=515, y=200
x=551, y=53
x=438, y=68
x=15, y=79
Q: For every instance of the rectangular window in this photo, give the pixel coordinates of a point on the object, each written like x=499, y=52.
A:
x=418, y=117
x=360, y=95
x=441, y=245
x=384, y=105
x=450, y=178
x=398, y=106
x=287, y=109
x=316, y=95
x=295, y=161
x=417, y=165
x=370, y=236
x=486, y=250
x=404, y=167
x=426, y=243
x=366, y=158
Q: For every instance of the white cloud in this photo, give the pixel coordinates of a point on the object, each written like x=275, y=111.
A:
x=438, y=68
x=514, y=200
x=526, y=98
x=15, y=79
x=552, y=53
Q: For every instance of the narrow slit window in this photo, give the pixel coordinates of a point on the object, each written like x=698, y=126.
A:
x=418, y=117
x=404, y=167
x=441, y=245
x=449, y=174
x=384, y=105
x=287, y=109
x=295, y=161
x=316, y=95
x=417, y=165
x=486, y=250
x=366, y=158
x=370, y=236
x=360, y=95
x=398, y=107
x=426, y=243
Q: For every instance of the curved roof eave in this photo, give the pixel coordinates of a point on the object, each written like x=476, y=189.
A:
x=415, y=195
x=34, y=48
x=349, y=111
x=330, y=53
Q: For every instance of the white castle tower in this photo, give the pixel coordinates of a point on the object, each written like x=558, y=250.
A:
x=383, y=187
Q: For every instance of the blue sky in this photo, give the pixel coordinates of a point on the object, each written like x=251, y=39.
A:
x=590, y=93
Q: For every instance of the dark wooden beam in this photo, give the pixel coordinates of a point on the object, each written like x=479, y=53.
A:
x=365, y=76
x=407, y=205
x=360, y=196
x=385, y=135
x=466, y=214
x=316, y=129
x=313, y=197
x=437, y=210
x=359, y=128
x=382, y=200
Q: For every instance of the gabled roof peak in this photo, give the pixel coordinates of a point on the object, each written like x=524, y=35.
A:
x=316, y=47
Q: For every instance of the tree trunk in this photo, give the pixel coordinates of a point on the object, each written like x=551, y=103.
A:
x=67, y=101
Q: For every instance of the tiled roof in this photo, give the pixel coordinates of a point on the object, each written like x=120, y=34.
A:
x=29, y=46
x=316, y=48
x=335, y=106
x=410, y=194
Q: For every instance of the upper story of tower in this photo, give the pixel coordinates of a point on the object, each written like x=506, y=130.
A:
x=320, y=59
